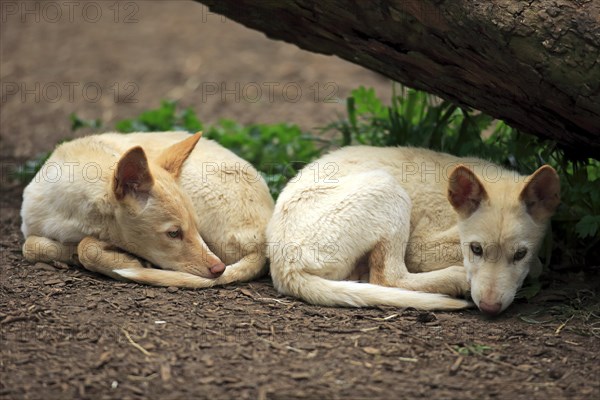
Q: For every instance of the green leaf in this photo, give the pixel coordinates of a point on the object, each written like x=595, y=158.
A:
x=124, y=126
x=190, y=121
x=78, y=123
x=529, y=291
x=588, y=226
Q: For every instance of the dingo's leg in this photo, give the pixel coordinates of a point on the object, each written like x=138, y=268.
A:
x=331, y=226
x=386, y=260
x=387, y=268
x=41, y=249
x=364, y=214
x=102, y=257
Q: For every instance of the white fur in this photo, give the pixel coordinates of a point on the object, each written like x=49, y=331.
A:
x=390, y=207
x=219, y=202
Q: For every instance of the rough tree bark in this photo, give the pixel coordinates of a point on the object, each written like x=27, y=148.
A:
x=535, y=63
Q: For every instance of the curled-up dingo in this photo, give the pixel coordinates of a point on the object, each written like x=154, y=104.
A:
x=114, y=202
x=417, y=225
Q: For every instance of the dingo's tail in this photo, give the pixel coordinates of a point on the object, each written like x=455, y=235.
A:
x=321, y=291
x=249, y=267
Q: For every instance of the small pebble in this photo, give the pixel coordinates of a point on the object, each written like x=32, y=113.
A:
x=60, y=265
x=426, y=317
x=172, y=289
x=45, y=266
x=556, y=374
x=55, y=282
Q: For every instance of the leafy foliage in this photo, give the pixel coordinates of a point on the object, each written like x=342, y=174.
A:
x=164, y=118
x=78, y=123
x=27, y=171
x=413, y=119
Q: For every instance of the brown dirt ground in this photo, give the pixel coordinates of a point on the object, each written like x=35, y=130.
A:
x=67, y=333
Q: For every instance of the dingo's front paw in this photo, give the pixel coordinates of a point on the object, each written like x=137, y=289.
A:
x=456, y=283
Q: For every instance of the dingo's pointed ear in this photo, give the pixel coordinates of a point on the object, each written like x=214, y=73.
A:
x=173, y=157
x=465, y=191
x=132, y=175
x=541, y=193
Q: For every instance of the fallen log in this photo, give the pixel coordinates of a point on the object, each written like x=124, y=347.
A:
x=534, y=64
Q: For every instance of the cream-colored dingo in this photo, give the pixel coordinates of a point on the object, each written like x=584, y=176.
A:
x=188, y=207
x=408, y=221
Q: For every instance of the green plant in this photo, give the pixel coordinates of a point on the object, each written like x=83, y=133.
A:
x=467, y=349
x=78, y=123
x=26, y=172
x=413, y=119
x=164, y=118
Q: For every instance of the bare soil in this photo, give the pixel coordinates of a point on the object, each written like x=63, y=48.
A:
x=68, y=333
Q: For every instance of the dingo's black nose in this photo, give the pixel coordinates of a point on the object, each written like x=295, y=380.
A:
x=490, y=309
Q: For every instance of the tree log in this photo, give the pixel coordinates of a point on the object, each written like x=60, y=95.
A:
x=534, y=64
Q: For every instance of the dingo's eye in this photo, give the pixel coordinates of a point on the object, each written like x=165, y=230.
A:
x=520, y=254
x=175, y=234
x=476, y=249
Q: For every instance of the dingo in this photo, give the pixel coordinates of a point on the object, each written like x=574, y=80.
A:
x=188, y=212
x=413, y=220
